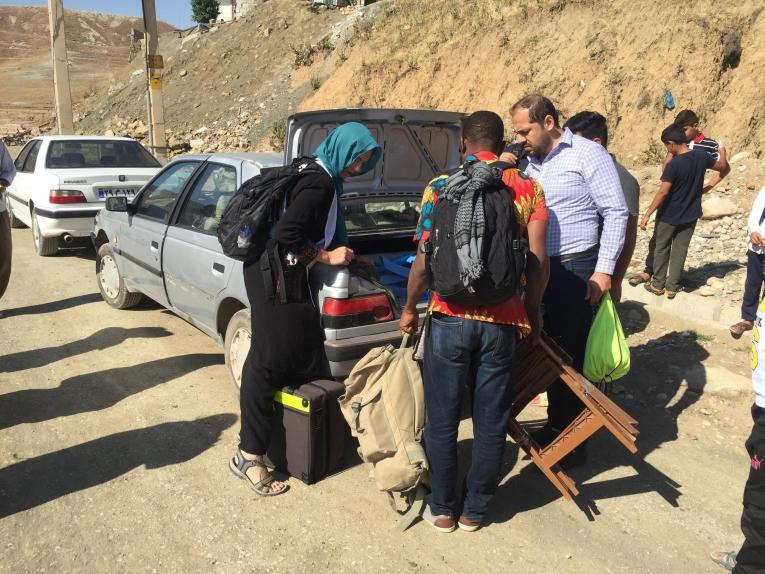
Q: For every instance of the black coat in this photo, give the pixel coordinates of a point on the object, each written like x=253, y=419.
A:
x=287, y=336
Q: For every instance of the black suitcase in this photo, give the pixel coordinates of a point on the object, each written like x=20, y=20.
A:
x=310, y=434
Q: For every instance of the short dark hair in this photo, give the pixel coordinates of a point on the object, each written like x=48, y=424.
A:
x=539, y=108
x=686, y=118
x=484, y=126
x=674, y=133
x=590, y=125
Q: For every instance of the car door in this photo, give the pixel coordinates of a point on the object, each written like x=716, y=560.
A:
x=20, y=190
x=140, y=245
x=196, y=270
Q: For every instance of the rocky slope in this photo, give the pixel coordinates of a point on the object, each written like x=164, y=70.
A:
x=98, y=49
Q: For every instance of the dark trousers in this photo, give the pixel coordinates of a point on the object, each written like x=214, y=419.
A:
x=460, y=351
x=649, y=258
x=751, y=557
x=256, y=403
x=567, y=319
x=5, y=251
x=755, y=271
x=672, y=243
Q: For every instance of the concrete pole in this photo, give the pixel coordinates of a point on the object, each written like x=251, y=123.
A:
x=61, y=89
x=154, y=65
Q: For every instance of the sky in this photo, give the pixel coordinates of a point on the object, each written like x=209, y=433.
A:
x=174, y=12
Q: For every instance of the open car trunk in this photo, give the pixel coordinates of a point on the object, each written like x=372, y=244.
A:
x=382, y=207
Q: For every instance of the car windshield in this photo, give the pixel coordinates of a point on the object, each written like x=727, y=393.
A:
x=381, y=215
x=74, y=154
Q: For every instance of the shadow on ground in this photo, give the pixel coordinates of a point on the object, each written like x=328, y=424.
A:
x=697, y=277
x=103, y=339
x=96, y=391
x=667, y=377
x=33, y=482
x=53, y=306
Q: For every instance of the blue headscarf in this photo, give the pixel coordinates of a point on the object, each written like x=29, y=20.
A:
x=339, y=150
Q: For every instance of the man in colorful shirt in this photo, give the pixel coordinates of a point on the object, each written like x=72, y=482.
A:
x=474, y=345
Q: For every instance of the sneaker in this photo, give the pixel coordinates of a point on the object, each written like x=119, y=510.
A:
x=468, y=525
x=440, y=522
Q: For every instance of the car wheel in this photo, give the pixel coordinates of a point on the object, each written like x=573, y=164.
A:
x=44, y=246
x=237, y=345
x=110, y=281
x=16, y=223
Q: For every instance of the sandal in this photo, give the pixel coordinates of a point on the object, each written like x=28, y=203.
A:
x=725, y=559
x=639, y=279
x=240, y=465
x=740, y=328
x=651, y=289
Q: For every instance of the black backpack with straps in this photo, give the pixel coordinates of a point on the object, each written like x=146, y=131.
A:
x=504, y=249
x=254, y=208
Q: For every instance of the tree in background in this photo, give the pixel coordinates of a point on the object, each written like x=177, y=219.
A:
x=205, y=10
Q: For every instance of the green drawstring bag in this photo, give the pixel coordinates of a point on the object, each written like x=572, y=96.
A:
x=607, y=355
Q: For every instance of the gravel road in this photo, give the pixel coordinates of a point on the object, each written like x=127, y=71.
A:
x=116, y=426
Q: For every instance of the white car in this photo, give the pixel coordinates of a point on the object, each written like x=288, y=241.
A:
x=62, y=181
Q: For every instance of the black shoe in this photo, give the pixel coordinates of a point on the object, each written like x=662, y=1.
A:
x=545, y=435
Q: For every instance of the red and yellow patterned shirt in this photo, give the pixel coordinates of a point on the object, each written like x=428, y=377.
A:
x=530, y=206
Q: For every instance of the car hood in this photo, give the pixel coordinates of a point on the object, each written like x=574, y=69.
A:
x=417, y=144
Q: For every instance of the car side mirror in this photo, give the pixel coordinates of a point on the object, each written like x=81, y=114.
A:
x=116, y=204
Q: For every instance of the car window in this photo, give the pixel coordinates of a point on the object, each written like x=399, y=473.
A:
x=380, y=215
x=208, y=198
x=158, y=199
x=31, y=159
x=19, y=162
x=73, y=154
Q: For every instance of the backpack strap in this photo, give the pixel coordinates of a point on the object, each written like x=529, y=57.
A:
x=416, y=506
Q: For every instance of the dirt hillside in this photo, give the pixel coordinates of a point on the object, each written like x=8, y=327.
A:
x=615, y=57
x=98, y=46
x=225, y=88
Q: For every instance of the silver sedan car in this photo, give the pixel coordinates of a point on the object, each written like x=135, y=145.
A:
x=164, y=245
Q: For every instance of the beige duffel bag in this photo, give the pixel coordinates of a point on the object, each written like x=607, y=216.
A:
x=384, y=404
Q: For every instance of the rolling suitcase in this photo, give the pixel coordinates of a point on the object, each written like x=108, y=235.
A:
x=310, y=435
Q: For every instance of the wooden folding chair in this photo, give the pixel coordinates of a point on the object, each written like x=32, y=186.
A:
x=537, y=367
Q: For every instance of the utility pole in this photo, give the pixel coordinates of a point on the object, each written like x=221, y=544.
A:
x=154, y=65
x=60, y=67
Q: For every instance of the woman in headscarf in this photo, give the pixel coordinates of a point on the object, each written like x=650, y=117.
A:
x=287, y=339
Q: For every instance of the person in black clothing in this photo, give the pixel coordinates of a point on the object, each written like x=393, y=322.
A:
x=287, y=339
x=678, y=207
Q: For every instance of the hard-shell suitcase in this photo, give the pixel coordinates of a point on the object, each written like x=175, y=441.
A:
x=310, y=435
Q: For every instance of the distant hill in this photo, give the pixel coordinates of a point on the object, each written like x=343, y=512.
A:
x=98, y=47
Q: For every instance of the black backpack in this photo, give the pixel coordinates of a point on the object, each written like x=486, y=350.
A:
x=254, y=208
x=504, y=250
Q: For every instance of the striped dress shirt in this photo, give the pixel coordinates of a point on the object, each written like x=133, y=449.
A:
x=581, y=185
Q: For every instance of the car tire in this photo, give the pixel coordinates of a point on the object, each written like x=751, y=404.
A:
x=16, y=223
x=45, y=246
x=111, y=283
x=237, y=345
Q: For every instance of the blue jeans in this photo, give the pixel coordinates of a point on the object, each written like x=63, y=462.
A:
x=479, y=355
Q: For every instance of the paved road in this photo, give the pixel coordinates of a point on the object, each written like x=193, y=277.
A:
x=115, y=428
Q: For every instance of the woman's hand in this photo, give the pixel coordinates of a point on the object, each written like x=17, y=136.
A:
x=338, y=256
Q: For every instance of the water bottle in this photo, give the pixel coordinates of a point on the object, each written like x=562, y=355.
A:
x=244, y=238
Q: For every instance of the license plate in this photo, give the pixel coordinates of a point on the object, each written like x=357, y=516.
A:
x=105, y=192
